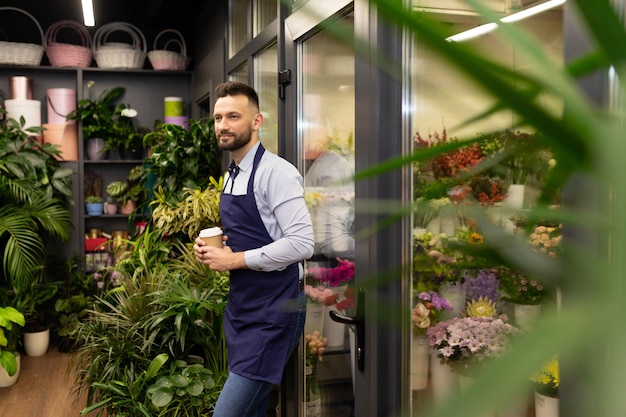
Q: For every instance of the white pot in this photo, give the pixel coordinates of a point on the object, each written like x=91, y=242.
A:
x=526, y=315
x=314, y=318
x=546, y=406
x=36, y=344
x=419, y=362
x=445, y=382
x=5, y=379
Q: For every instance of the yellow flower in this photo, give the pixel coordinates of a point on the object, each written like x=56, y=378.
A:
x=483, y=307
x=475, y=239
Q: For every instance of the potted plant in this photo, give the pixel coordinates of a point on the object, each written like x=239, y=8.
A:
x=98, y=116
x=94, y=205
x=128, y=193
x=546, y=384
x=36, y=194
x=183, y=157
x=9, y=356
x=128, y=138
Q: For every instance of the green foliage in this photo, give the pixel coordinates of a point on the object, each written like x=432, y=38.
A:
x=188, y=390
x=99, y=115
x=183, y=157
x=9, y=319
x=36, y=195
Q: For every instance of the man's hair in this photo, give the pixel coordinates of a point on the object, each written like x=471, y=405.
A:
x=234, y=88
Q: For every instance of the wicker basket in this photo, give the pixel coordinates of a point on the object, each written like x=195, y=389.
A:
x=119, y=54
x=67, y=54
x=20, y=53
x=164, y=59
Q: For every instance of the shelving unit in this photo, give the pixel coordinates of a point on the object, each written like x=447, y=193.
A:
x=145, y=90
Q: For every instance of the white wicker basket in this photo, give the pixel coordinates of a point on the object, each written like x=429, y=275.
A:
x=119, y=54
x=21, y=53
x=164, y=59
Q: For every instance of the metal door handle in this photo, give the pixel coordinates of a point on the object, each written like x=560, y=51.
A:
x=359, y=322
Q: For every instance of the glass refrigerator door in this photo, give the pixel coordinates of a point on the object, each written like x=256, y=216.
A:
x=326, y=128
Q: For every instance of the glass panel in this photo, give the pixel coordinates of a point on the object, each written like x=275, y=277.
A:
x=265, y=11
x=266, y=84
x=238, y=31
x=326, y=128
x=441, y=98
x=240, y=74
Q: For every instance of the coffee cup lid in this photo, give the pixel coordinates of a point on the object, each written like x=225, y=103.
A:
x=211, y=231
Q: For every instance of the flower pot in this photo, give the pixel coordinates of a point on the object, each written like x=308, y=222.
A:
x=5, y=379
x=546, y=406
x=94, y=209
x=135, y=153
x=36, y=343
x=455, y=294
x=514, y=197
x=419, y=362
x=526, y=315
x=445, y=382
x=110, y=208
x=129, y=207
x=95, y=149
x=465, y=382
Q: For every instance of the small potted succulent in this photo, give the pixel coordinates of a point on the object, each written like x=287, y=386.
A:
x=94, y=205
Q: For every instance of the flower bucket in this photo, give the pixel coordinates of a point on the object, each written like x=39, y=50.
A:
x=30, y=109
x=61, y=102
x=546, y=406
x=419, y=362
x=314, y=318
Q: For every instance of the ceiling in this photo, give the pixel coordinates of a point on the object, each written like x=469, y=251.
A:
x=150, y=16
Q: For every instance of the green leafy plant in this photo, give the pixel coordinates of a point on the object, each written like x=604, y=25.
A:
x=36, y=194
x=183, y=157
x=188, y=389
x=92, y=199
x=99, y=115
x=9, y=318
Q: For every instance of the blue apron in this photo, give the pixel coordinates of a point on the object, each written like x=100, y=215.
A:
x=260, y=311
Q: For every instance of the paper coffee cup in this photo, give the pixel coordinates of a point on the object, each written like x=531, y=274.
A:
x=212, y=236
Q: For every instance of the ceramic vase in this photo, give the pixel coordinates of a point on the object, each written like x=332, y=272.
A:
x=95, y=149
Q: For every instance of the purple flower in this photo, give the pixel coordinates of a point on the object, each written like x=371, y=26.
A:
x=485, y=284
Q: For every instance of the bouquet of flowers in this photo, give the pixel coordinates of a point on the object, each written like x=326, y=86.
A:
x=483, y=283
x=333, y=277
x=488, y=190
x=321, y=294
x=467, y=342
x=547, y=239
x=315, y=348
x=427, y=310
x=546, y=381
x=520, y=289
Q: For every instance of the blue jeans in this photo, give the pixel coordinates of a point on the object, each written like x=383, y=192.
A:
x=245, y=397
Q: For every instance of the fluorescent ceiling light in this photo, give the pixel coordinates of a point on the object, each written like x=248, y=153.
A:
x=486, y=28
x=88, y=17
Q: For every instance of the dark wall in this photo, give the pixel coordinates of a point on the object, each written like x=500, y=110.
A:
x=209, y=54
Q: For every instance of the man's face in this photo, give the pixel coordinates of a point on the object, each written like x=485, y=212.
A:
x=235, y=120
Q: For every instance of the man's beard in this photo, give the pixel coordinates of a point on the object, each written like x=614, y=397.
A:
x=239, y=141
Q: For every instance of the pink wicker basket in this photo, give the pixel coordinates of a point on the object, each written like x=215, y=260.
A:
x=67, y=54
x=119, y=54
x=22, y=53
x=165, y=59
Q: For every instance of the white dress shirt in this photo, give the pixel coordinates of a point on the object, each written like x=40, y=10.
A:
x=279, y=195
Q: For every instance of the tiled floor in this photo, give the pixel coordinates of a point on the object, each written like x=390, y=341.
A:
x=43, y=389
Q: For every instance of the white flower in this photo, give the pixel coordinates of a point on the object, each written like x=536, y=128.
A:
x=128, y=112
